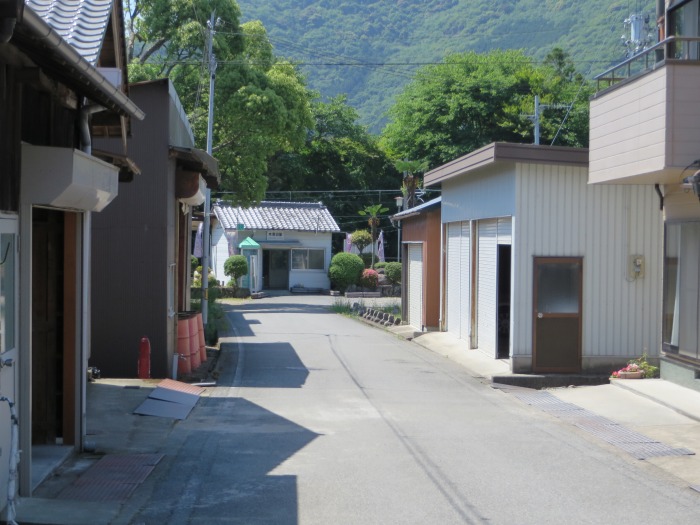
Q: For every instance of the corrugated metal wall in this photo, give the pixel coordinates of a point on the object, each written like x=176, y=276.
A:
x=559, y=214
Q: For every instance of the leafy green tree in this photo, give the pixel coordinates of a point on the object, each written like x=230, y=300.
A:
x=361, y=239
x=338, y=154
x=262, y=105
x=236, y=267
x=472, y=99
x=373, y=211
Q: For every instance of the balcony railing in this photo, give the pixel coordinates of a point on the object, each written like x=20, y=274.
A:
x=676, y=48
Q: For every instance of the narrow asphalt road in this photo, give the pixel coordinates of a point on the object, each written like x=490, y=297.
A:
x=321, y=419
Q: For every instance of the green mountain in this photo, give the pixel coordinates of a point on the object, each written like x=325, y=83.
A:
x=369, y=49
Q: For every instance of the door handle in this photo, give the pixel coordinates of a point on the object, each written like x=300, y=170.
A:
x=540, y=315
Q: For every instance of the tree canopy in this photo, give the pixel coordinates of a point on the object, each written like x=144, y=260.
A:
x=261, y=103
x=470, y=100
x=338, y=155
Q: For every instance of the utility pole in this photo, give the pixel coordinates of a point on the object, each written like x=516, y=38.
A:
x=539, y=108
x=207, y=193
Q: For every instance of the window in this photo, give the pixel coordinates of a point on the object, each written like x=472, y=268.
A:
x=683, y=21
x=681, y=293
x=308, y=259
x=7, y=290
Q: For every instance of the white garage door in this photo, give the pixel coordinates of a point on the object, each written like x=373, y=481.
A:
x=415, y=285
x=457, y=289
x=487, y=286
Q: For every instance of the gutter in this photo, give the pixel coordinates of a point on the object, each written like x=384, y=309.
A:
x=45, y=34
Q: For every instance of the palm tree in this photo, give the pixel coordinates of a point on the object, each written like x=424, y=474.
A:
x=373, y=211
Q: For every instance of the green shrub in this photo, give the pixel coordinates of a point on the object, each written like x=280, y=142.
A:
x=345, y=269
x=366, y=259
x=392, y=271
x=369, y=279
x=379, y=265
x=361, y=239
x=197, y=279
x=235, y=267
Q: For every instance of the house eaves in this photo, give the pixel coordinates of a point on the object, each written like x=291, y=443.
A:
x=200, y=161
x=507, y=153
x=46, y=48
x=417, y=210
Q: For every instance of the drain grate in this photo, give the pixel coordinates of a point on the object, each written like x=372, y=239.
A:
x=636, y=444
x=112, y=478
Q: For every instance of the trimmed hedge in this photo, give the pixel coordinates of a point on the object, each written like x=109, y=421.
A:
x=345, y=269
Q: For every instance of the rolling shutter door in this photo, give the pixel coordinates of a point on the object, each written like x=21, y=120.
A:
x=415, y=286
x=465, y=282
x=454, y=233
x=487, y=286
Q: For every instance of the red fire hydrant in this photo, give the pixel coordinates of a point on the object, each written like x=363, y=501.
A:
x=144, y=368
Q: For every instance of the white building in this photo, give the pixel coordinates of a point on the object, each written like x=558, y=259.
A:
x=293, y=238
x=544, y=269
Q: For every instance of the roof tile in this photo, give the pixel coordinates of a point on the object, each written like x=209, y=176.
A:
x=299, y=216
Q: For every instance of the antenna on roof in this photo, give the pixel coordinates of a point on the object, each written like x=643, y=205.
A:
x=641, y=34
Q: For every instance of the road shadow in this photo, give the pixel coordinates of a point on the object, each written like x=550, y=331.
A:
x=270, y=365
x=226, y=451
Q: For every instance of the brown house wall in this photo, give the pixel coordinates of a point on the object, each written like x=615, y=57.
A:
x=425, y=228
x=131, y=241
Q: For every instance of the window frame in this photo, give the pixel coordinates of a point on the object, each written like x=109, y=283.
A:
x=307, y=259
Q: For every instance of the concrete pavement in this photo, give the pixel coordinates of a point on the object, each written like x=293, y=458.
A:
x=656, y=408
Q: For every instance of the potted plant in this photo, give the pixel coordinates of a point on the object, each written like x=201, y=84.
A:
x=638, y=368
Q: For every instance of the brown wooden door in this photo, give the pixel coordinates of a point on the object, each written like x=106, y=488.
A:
x=47, y=325
x=557, y=314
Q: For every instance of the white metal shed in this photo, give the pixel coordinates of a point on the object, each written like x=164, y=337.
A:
x=549, y=280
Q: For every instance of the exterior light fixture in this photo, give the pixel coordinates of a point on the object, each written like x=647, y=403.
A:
x=693, y=182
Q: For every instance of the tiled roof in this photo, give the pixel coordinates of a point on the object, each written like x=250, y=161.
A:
x=299, y=216
x=81, y=23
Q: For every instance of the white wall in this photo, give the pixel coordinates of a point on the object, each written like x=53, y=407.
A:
x=219, y=253
x=558, y=214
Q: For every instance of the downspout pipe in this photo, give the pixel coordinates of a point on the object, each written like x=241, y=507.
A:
x=84, y=123
x=14, y=461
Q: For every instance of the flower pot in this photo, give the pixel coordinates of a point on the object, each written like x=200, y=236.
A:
x=631, y=375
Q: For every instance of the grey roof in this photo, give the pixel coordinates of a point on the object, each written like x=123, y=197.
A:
x=81, y=23
x=416, y=209
x=298, y=216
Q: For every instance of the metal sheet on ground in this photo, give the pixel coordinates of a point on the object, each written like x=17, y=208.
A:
x=174, y=396
x=159, y=408
x=113, y=478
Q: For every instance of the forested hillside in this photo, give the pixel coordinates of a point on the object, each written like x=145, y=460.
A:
x=369, y=49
